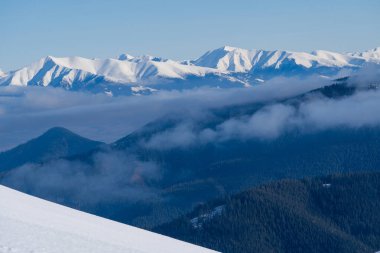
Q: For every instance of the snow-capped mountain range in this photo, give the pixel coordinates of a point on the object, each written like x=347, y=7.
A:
x=222, y=67
x=243, y=60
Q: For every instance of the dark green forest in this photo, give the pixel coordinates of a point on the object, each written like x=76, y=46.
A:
x=338, y=213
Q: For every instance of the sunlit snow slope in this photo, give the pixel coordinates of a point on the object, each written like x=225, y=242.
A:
x=29, y=224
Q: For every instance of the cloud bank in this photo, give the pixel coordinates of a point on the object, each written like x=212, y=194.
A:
x=315, y=113
x=28, y=112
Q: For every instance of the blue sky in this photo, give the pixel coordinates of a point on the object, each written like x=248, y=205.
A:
x=178, y=29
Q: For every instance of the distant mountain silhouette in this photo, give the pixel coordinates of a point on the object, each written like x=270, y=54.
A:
x=56, y=142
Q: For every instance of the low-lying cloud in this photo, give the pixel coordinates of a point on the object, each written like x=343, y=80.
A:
x=110, y=177
x=314, y=114
x=28, y=112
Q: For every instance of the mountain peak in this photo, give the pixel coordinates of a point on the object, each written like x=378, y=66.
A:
x=54, y=143
x=142, y=58
x=125, y=57
x=58, y=130
x=372, y=54
x=230, y=48
x=50, y=60
x=57, y=134
x=376, y=49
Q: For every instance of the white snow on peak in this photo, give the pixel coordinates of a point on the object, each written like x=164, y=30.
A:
x=220, y=65
x=142, y=58
x=78, y=69
x=29, y=224
x=321, y=58
x=125, y=57
x=227, y=59
x=2, y=73
x=242, y=60
x=370, y=55
x=230, y=49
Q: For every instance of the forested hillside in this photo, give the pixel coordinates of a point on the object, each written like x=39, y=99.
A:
x=338, y=213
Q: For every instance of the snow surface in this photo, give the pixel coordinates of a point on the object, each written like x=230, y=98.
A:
x=29, y=224
x=198, y=222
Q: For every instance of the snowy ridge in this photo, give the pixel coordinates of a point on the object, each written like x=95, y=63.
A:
x=68, y=70
x=29, y=224
x=243, y=60
x=228, y=59
x=373, y=54
x=223, y=67
x=130, y=58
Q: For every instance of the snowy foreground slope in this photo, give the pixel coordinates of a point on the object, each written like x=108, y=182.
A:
x=29, y=224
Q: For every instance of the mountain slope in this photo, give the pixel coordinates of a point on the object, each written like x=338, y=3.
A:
x=56, y=142
x=223, y=67
x=28, y=224
x=193, y=174
x=330, y=214
x=228, y=166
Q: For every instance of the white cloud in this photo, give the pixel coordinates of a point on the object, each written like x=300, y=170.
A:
x=316, y=113
x=111, y=177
